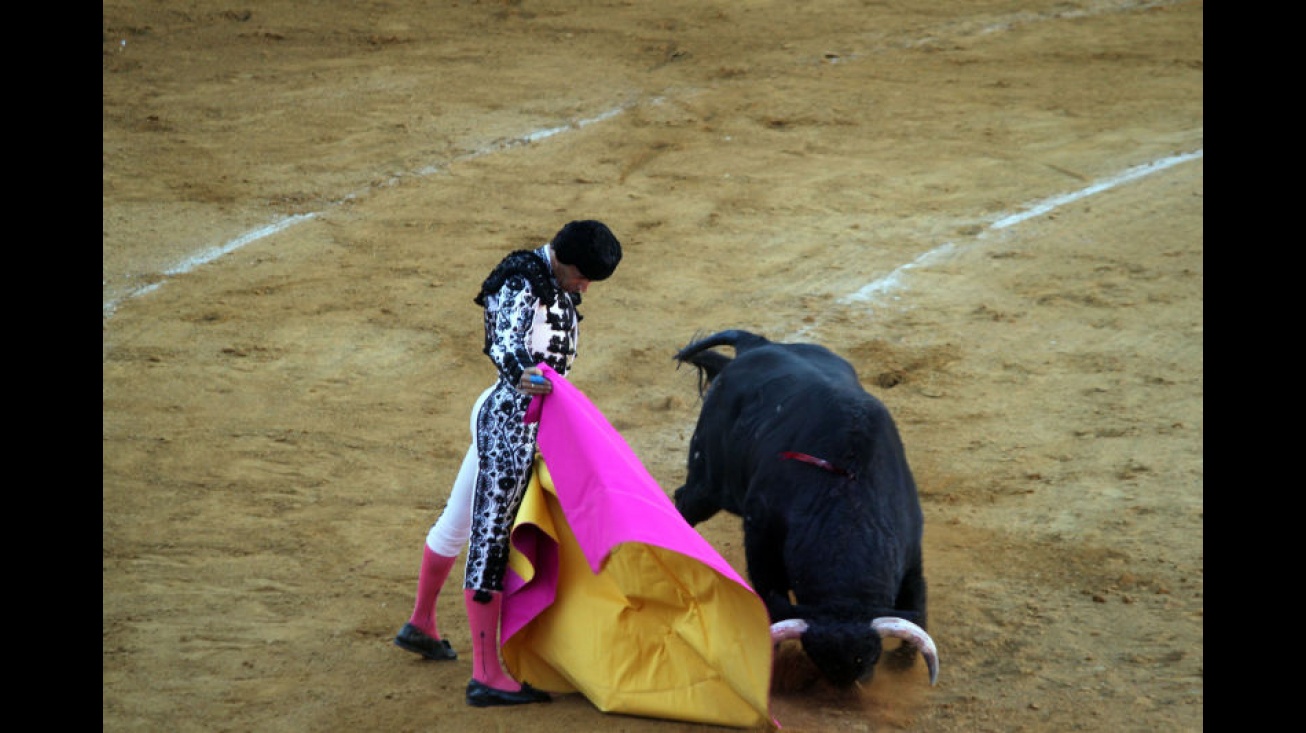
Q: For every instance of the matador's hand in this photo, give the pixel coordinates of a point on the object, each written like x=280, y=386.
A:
x=533, y=382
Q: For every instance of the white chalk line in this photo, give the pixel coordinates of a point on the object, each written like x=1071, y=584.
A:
x=209, y=255
x=1134, y=173
x=212, y=254
x=867, y=293
x=894, y=279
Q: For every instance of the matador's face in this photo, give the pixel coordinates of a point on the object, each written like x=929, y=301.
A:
x=569, y=277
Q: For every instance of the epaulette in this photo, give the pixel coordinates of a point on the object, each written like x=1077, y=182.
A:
x=524, y=263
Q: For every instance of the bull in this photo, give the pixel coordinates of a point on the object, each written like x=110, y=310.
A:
x=789, y=440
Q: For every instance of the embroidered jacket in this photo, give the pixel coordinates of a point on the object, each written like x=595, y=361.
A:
x=528, y=318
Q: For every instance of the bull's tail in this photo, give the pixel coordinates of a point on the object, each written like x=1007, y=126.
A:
x=739, y=339
x=710, y=363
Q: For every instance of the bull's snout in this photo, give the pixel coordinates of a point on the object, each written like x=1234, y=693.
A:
x=885, y=627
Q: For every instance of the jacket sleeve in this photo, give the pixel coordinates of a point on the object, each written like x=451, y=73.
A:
x=508, y=329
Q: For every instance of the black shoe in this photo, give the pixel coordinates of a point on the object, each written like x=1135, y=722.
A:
x=415, y=640
x=481, y=695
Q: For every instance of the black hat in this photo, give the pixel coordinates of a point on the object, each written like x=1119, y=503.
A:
x=590, y=246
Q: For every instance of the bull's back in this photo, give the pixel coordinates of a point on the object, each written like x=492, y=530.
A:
x=773, y=398
x=779, y=398
x=803, y=398
x=776, y=372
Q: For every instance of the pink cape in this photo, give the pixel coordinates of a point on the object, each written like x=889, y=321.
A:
x=612, y=594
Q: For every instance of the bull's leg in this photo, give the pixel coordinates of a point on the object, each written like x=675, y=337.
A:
x=694, y=506
x=911, y=597
x=699, y=498
x=911, y=594
x=764, y=553
x=779, y=607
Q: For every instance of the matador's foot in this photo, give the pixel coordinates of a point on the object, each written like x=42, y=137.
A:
x=417, y=641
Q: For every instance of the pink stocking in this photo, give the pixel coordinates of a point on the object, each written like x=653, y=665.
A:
x=483, y=618
x=435, y=570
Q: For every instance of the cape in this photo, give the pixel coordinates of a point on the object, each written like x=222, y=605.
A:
x=611, y=593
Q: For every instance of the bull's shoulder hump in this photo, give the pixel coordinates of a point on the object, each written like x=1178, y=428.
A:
x=791, y=356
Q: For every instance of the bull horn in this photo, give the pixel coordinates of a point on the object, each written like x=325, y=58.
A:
x=788, y=629
x=901, y=628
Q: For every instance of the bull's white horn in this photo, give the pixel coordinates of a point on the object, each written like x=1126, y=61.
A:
x=792, y=628
x=901, y=628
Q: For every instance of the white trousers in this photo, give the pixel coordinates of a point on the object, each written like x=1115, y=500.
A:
x=449, y=534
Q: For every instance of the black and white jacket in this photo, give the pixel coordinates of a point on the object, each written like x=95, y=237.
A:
x=528, y=318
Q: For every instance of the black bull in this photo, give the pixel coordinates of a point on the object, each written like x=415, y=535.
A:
x=789, y=440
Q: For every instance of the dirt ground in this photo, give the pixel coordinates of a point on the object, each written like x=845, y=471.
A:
x=939, y=191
